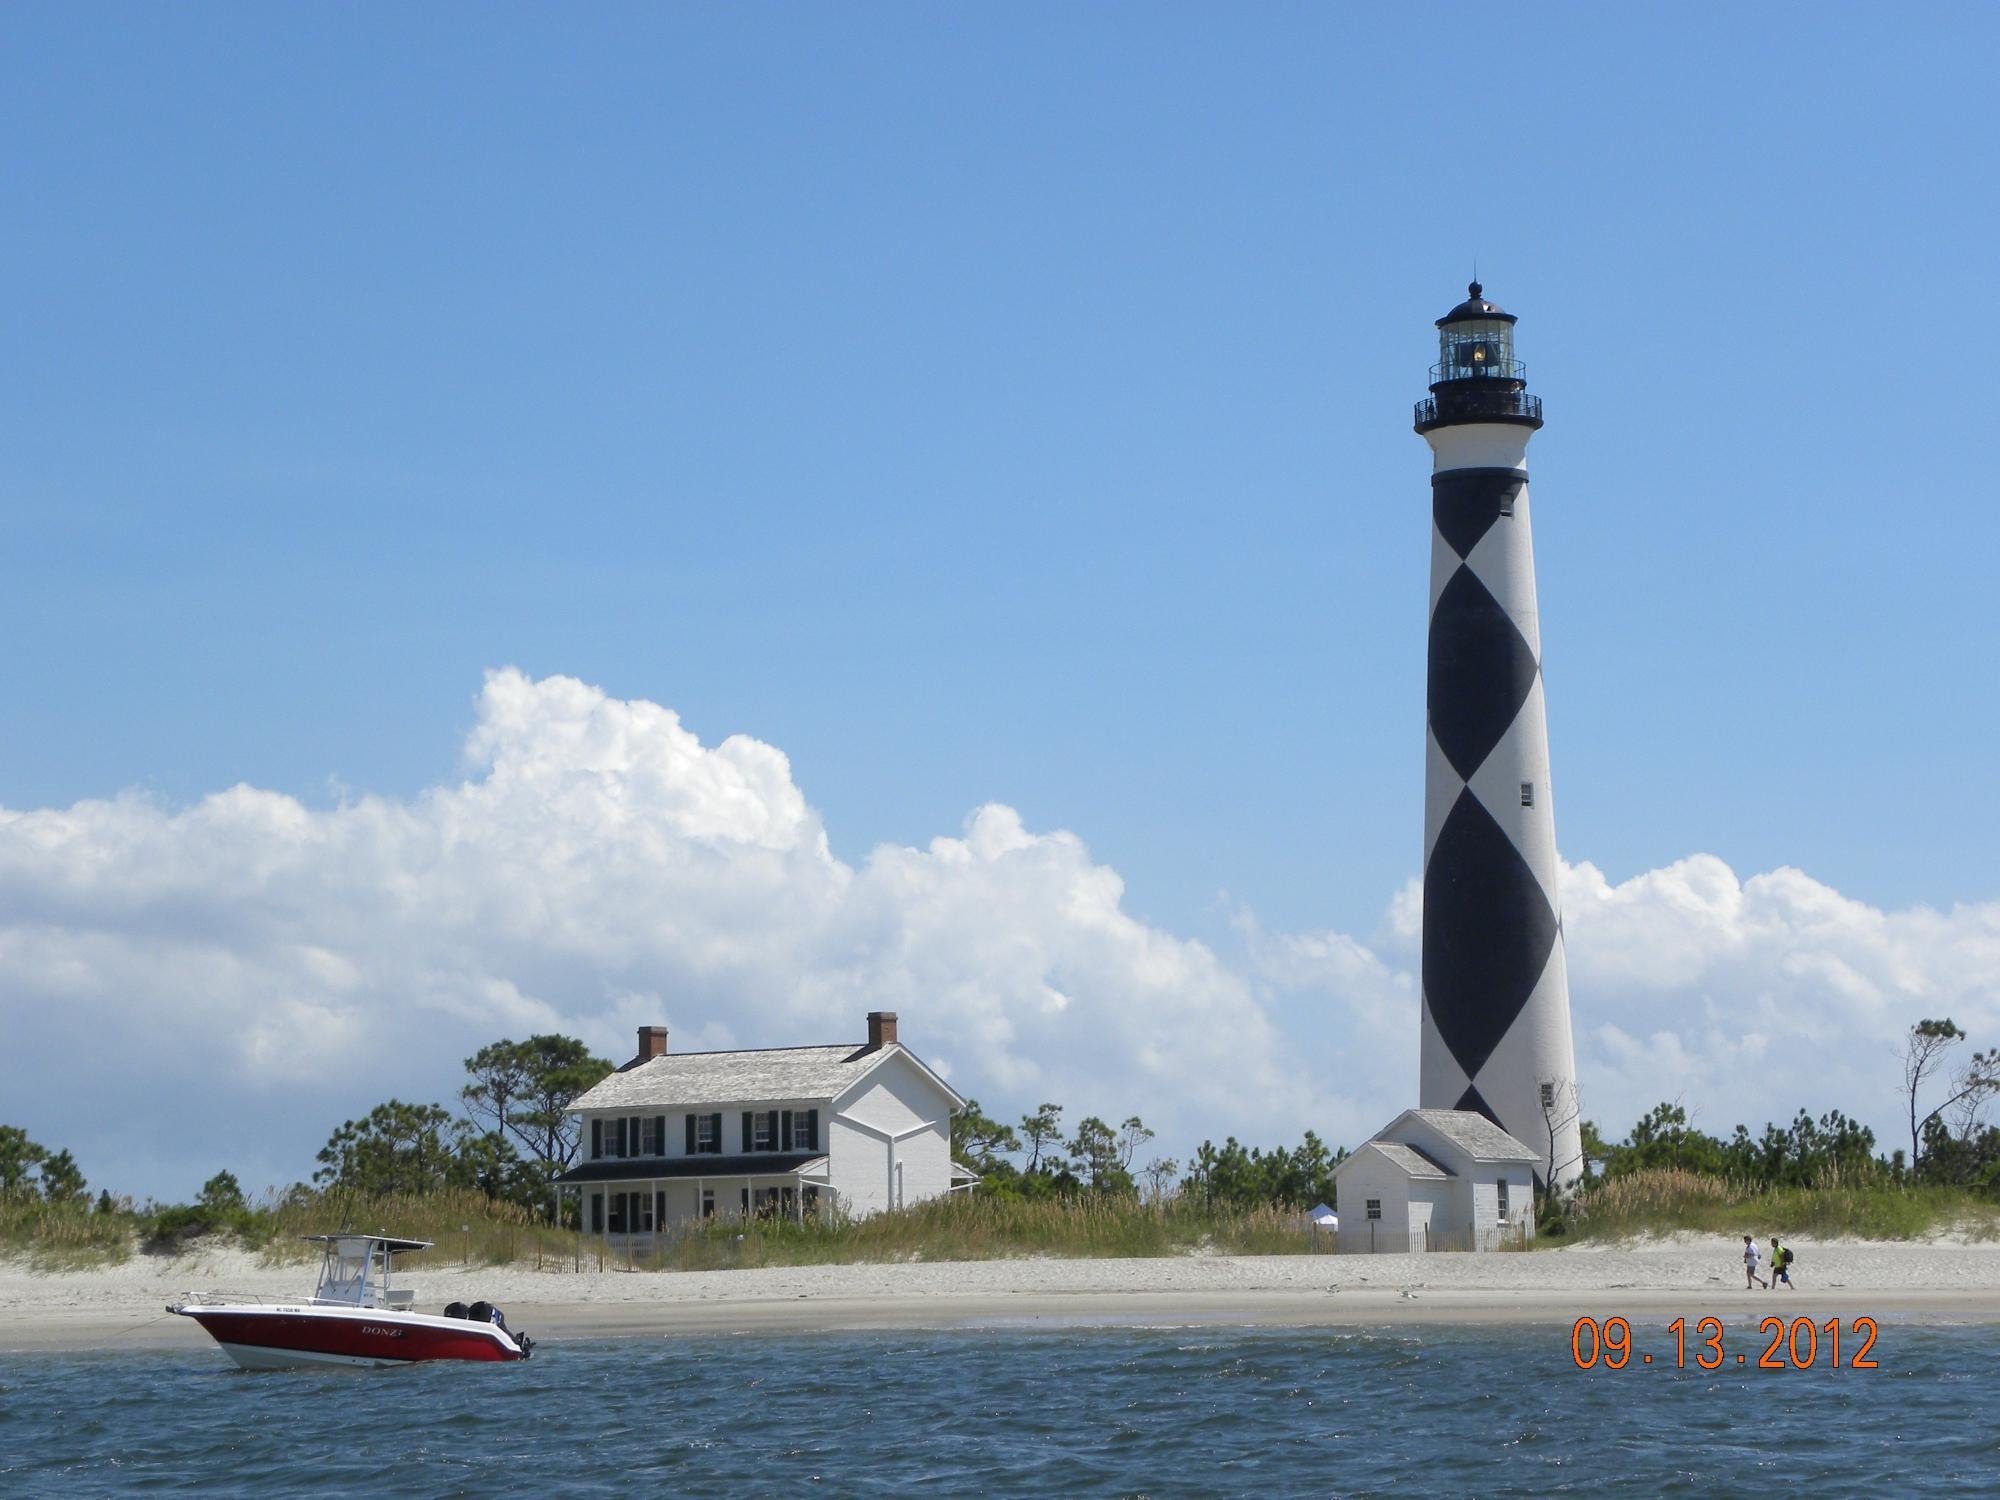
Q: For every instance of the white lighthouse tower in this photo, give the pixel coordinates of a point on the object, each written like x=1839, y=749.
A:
x=1496, y=1029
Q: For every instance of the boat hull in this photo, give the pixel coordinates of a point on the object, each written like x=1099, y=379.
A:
x=299, y=1338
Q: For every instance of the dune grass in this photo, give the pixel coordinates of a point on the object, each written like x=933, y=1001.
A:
x=1665, y=1200
x=64, y=1236
x=468, y=1228
x=471, y=1229
x=963, y=1227
x=465, y=1227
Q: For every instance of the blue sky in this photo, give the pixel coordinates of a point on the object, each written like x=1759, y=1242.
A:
x=1013, y=407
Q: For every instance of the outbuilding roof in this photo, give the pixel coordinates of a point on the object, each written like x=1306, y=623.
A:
x=1411, y=1160
x=1472, y=1133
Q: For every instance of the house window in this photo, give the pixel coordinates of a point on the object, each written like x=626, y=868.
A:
x=764, y=1130
x=708, y=1203
x=652, y=1136
x=1527, y=794
x=618, y=1212
x=708, y=1134
x=1503, y=1198
x=799, y=1130
x=1374, y=1208
x=597, y=1213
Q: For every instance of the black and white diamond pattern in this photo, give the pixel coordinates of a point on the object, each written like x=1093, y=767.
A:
x=1496, y=994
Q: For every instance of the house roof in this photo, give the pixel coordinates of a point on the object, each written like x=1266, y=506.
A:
x=661, y=1168
x=1474, y=1134
x=682, y=1079
x=1411, y=1160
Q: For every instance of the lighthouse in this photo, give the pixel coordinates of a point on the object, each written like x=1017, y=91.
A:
x=1496, y=1028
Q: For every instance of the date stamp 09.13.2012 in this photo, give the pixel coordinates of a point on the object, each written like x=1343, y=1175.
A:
x=1800, y=1344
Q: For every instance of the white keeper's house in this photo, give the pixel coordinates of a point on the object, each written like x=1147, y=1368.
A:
x=1437, y=1179
x=854, y=1127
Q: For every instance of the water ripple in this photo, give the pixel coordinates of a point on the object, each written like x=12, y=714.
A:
x=1138, y=1412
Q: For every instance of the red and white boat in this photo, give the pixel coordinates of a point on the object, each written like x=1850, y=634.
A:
x=354, y=1317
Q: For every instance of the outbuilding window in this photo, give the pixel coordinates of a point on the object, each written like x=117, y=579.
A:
x=1374, y=1208
x=1503, y=1198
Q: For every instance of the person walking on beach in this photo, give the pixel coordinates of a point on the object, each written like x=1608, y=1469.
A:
x=1750, y=1264
x=1781, y=1266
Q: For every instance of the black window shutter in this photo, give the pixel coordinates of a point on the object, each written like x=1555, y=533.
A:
x=785, y=1131
x=659, y=1135
x=596, y=1138
x=715, y=1132
x=597, y=1213
x=690, y=1151
x=749, y=1131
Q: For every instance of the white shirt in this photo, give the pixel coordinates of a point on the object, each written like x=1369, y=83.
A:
x=1750, y=1255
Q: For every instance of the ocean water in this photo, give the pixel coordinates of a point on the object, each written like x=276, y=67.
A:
x=1006, y=1412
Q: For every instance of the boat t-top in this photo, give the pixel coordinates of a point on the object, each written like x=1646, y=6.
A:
x=354, y=1317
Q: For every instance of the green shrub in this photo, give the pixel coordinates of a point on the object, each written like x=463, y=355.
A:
x=1663, y=1200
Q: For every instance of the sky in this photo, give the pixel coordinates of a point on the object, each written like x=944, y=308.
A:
x=532, y=518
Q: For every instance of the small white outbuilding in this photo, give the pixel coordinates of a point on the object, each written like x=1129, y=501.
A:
x=1436, y=1179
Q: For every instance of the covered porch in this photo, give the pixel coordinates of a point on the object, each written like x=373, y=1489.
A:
x=631, y=1203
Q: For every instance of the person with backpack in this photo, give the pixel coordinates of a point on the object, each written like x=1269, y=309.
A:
x=1781, y=1264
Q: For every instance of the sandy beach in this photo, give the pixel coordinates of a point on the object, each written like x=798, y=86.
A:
x=1939, y=1280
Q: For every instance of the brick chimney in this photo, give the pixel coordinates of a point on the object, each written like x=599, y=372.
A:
x=652, y=1043
x=881, y=1029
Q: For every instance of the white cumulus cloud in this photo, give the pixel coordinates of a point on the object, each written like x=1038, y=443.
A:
x=229, y=980
x=185, y=989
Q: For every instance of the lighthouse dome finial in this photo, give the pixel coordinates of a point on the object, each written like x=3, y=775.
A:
x=1475, y=306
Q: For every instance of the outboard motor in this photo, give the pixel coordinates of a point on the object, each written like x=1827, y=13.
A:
x=455, y=1310
x=486, y=1312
